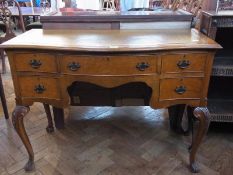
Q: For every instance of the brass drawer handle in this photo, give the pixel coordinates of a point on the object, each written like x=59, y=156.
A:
x=184, y=64
x=39, y=89
x=35, y=63
x=142, y=66
x=180, y=90
x=73, y=66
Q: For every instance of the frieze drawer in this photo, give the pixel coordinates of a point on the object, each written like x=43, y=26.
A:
x=177, y=63
x=39, y=87
x=109, y=65
x=40, y=62
x=182, y=88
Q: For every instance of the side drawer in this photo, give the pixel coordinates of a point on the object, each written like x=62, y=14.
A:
x=109, y=65
x=39, y=87
x=38, y=62
x=182, y=88
x=177, y=63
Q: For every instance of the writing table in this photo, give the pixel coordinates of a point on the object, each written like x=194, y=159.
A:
x=174, y=64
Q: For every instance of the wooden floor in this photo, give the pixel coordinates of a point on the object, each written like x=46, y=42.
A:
x=109, y=141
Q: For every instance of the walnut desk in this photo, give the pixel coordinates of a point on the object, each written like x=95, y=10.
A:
x=175, y=64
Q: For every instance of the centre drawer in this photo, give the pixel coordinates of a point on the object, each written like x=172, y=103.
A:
x=109, y=65
x=39, y=87
x=181, y=88
x=177, y=63
x=38, y=62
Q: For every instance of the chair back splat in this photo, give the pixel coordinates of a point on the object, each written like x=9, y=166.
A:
x=6, y=18
x=7, y=22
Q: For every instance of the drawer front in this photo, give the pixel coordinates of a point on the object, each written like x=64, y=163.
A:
x=35, y=62
x=108, y=65
x=183, y=88
x=39, y=87
x=177, y=63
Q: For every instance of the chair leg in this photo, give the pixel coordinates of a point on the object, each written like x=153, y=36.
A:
x=3, y=61
x=3, y=99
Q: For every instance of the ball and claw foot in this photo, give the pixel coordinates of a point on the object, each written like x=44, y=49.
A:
x=30, y=166
x=50, y=129
x=194, y=168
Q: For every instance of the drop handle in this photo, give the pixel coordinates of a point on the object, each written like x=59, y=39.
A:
x=183, y=64
x=39, y=89
x=142, y=66
x=180, y=90
x=73, y=66
x=35, y=64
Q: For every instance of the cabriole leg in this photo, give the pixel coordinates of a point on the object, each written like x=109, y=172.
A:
x=203, y=116
x=50, y=127
x=17, y=119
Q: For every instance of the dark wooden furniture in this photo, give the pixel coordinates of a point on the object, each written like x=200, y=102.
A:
x=174, y=64
x=212, y=21
x=3, y=99
x=219, y=27
x=73, y=19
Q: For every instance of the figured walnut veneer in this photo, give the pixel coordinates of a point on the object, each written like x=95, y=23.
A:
x=175, y=64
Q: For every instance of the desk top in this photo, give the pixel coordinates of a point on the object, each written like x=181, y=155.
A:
x=111, y=40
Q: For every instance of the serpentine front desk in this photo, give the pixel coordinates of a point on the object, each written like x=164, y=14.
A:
x=174, y=64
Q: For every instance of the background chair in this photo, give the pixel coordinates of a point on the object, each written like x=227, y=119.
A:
x=8, y=33
x=6, y=19
x=108, y=5
x=192, y=6
x=155, y=3
x=37, y=24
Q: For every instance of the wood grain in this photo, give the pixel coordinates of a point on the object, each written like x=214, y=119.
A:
x=111, y=40
x=109, y=65
x=192, y=88
x=50, y=84
x=47, y=62
x=196, y=62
